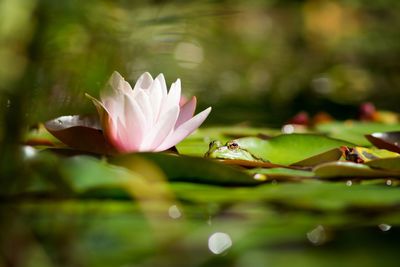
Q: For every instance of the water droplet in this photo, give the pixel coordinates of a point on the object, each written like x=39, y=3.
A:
x=29, y=152
x=219, y=242
x=384, y=227
x=260, y=177
x=174, y=212
x=317, y=236
x=349, y=183
x=288, y=129
x=389, y=182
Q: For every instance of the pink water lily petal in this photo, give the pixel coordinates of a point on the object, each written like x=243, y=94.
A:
x=187, y=111
x=145, y=80
x=108, y=123
x=122, y=140
x=161, y=130
x=160, y=78
x=173, y=97
x=156, y=96
x=134, y=122
x=148, y=117
x=184, y=130
x=142, y=99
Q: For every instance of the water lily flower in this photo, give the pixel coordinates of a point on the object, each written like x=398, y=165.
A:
x=147, y=117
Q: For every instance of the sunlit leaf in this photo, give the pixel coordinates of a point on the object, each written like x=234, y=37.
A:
x=328, y=156
x=363, y=154
x=292, y=148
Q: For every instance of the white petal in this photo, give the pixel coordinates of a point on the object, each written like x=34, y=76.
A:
x=156, y=99
x=184, y=130
x=116, y=85
x=173, y=97
x=134, y=122
x=161, y=130
x=163, y=84
x=143, y=100
x=144, y=82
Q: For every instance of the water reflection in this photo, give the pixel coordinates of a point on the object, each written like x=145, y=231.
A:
x=384, y=227
x=260, y=177
x=317, y=236
x=219, y=242
x=174, y=212
x=29, y=152
x=288, y=129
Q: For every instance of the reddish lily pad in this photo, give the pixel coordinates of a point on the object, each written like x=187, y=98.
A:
x=387, y=140
x=80, y=132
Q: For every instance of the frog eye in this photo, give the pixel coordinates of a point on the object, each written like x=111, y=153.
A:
x=232, y=145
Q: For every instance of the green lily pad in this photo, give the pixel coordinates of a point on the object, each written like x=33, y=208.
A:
x=328, y=156
x=346, y=169
x=85, y=173
x=280, y=174
x=391, y=164
x=189, y=169
x=354, y=131
x=289, y=149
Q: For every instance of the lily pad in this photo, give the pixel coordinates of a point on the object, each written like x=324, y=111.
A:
x=363, y=154
x=391, y=164
x=280, y=174
x=355, y=131
x=80, y=132
x=290, y=149
x=189, y=169
x=345, y=169
x=328, y=156
x=85, y=173
x=387, y=140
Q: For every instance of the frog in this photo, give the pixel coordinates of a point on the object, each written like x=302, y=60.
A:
x=278, y=149
x=231, y=150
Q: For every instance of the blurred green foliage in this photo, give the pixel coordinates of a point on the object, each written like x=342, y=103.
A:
x=258, y=61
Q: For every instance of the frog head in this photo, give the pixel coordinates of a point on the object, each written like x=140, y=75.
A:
x=231, y=150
